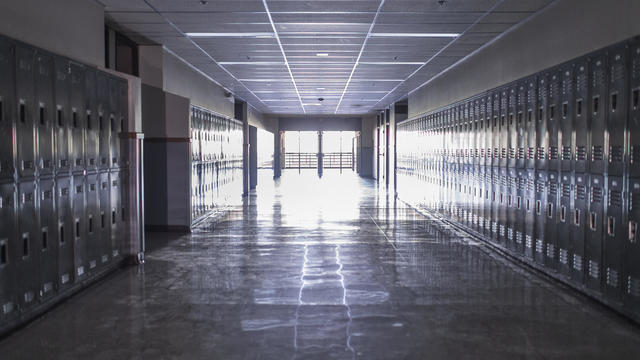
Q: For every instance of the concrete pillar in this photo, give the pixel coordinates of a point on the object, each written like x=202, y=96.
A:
x=241, y=114
x=278, y=150
x=320, y=156
x=253, y=157
x=387, y=152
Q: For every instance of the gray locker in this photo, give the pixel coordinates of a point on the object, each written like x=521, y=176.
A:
x=48, y=238
x=485, y=114
x=512, y=126
x=123, y=119
x=598, y=110
x=104, y=123
x=529, y=205
x=540, y=209
x=594, y=238
x=565, y=223
x=495, y=128
x=495, y=203
x=8, y=249
x=28, y=249
x=617, y=108
x=542, y=134
x=581, y=115
x=65, y=228
x=531, y=109
x=77, y=116
x=91, y=120
x=553, y=120
x=513, y=196
x=79, y=227
x=62, y=116
x=104, y=219
x=7, y=101
x=92, y=230
x=25, y=111
x=634, y=110
x=116, y=214
x=616, y=235
x=521, y=127
x=579, y=226
x=114, y=123
x=504, y=139
x=632, y=250
x=551, y=226
x=44, y=112
x=566, y=117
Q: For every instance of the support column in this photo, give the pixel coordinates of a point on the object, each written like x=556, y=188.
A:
x=241, y=114
x=277, y=154
x=387, y=152
x=253, y=157
x=320, y=156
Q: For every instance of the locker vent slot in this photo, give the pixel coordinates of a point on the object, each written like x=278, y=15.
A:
x=594, y=269
x=512, y=153
x=633, y=286
x=635, y=154
x=496, y=153
x=503, y=153
x=596, y=194
x=612, y=277
x=551, y=251
x=566, y=153
x=581, y=153
x=553, y=188
x=566, y=190
x=528, y=242
x=553, y=153
x=577, y=262
x=531, y=153
x=539, y=246
x=615, y=154
x=563, y=255
x=518, y=237
x=581, y=192
x=520, y=153
x=540, y=153
x=615, y=198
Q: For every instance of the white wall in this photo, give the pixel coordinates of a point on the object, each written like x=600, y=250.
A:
x=565, y=30
x=74, y=28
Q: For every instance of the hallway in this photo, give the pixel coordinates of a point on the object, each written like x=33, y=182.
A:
x=324, y=269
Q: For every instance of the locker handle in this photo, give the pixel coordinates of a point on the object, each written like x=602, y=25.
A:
x=59, y=117
x=563, y=213
x=25, y=245
x=77, y=228
x=633, y=230
x=4, y=253
x=74, y=117
x=611, y=225
x=552, y=110
x=614, y=102
x=596, y=104
x=550, y=211
x=538, y=207
x=41, y=114
x=61, y=234
x=576, y=217
x=23, y=114
x=1, y=110
x=565, y=109
x=45, y=240
x=579, y=107
x=592, y=221
x=635, y=98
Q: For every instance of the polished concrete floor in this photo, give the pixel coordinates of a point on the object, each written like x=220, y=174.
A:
x=324, y=269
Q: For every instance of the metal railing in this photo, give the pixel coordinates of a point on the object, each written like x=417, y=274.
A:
x=337, y=160
x=334, y=160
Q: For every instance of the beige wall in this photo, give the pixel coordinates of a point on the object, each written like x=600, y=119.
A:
x=74, y=28
x=563, y=31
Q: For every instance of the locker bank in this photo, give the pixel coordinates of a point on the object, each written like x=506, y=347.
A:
x=320, y=179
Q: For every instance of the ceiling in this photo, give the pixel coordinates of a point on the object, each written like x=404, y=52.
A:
x=372, y=52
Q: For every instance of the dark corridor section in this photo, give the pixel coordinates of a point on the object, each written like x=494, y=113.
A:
x=329, y=268
x=545, y=167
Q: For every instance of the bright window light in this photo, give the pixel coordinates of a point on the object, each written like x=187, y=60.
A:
x=432, y=35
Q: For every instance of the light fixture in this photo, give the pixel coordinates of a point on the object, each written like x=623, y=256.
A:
x=322, y=54
x=426, y=35
x=320, y=88
x=230, y=34
x=312, y=104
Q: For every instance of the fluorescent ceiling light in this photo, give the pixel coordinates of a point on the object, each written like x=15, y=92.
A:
x=391, y=63
x=322, y=54
x=256, y=63
x=315, y=104
x=320, y=88
x=428, y=35
x=230, y=34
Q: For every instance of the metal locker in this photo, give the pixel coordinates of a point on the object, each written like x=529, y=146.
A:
x=531, y=122
x=597, y=111
x=103, y=120
x=566, y=117
x=617, y=108
x=65, y=229
x=27, y=256
x=519, y=224
x=48, y=238
x=615, y=237
x=123, y=119
x=529, y=207
x=502, y=111
x=8, y=249
x=553, y=119
x=540, y=209
x=579, y=222
x=551, y=226
x=581, y=116
x=91, y=120
x=594, y=238
x=25, y=111
x=495, y=129
x=521, y=125
x=104, y=218
x=77, y=116
x=503, y=206
x=485, y=114
x=7, y=101
x=114, y=102
x=495, y=204
x=44, y=112
x=542, y=133
x=565, y=223
x=92, y=222
x=512, y=209
x=632, y=250
x=634, y=109
x=62, y=116
x=115, y=217
x=123, y=243
x=78, y=229
x=512, y=126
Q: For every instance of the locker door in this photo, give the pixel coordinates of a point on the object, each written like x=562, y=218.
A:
x=77, y=116
x=503, y=113
x=48, y=238
x=566, y=117
x=553, y=120
x=8, y=249
x=123, y=243
x=551, y=228
x=62, y=116
x=104, y=120
x=617, y=108
x=616, y=235
x=116, y=203
x=7, y=101
x=512, y=127
x=104, y=221
x=25, y=127
x=597, y=110
x=542, y=132
x=593, y=246
x=512, y=208
x=114, y=101
x=521, y=126
x=123, y=118
x=530, y=214
x=66, y=238
x=495, y=130
x=578, y=230
x=92, y=219
x=488, y=135
x=28, y=249
x=565, y=224
x=581, y=114
x=79, y=227
x=540, y=209
x=634, y=110
x=519, y=226
x=531, y=122
x=632, y=251
x=44, y=111
x=91, y=119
